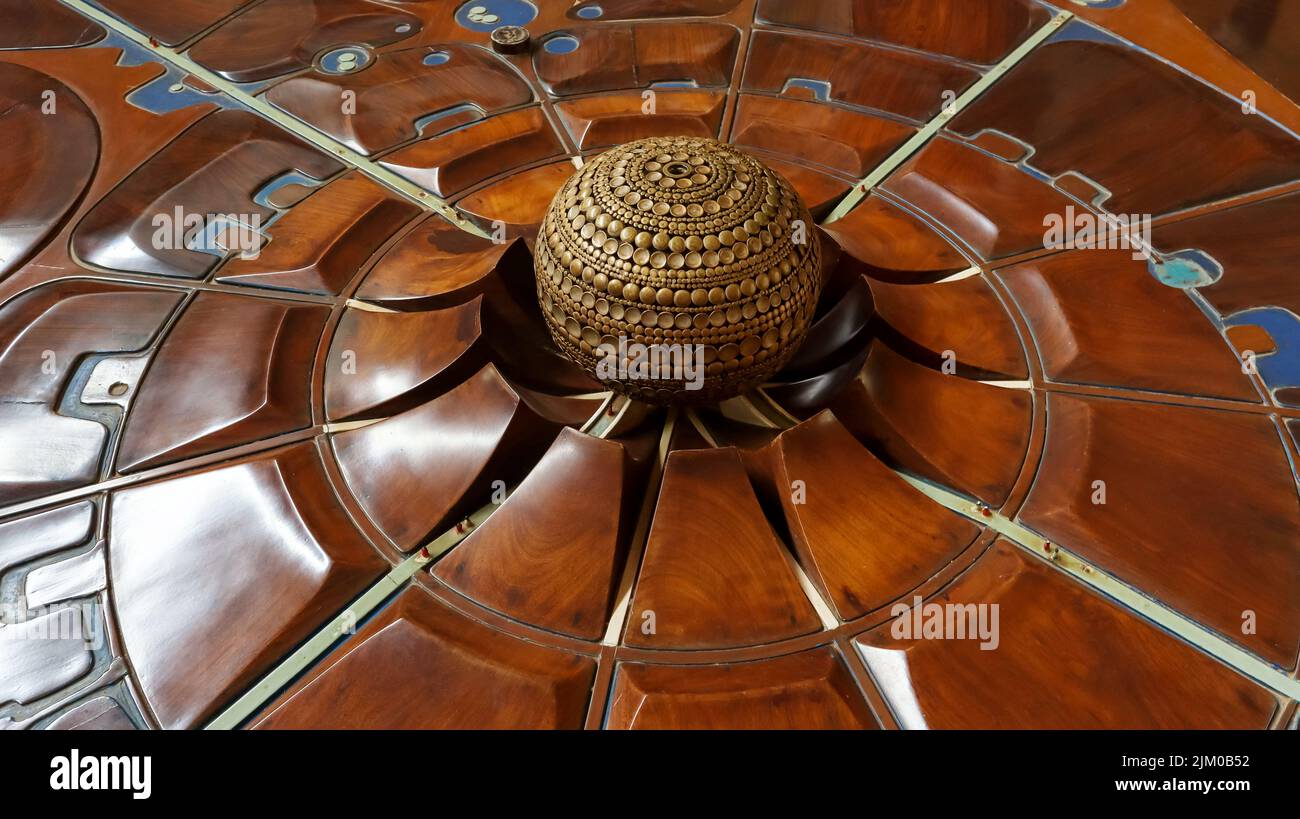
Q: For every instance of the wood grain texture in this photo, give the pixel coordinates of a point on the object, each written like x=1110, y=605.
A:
x=1099, y=317
x=1066, y=658
x=811, y=690
x=713, y=573
x=419, y=472
x=419, y=664
x=1169, y=525
x=863, y=536
x=614, y=118
x=384, y=363
x=895, y=245
x=816, y=134
x=544, y=558
x=217, y=575
x=232, y=370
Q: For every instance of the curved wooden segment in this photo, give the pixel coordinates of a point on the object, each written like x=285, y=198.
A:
x=1099, y=317
x=1063, y=657
x=399, y=90
x=806, y=691
x=540, y=560
x=45, y=335
x=819, y=191
x=967, y=436
x=612, y=119
x=278, y=37
x=964, y=317
x=895, y=245
x=861, y=74
x=417, y=473
x=841, y=333
x=383, y=363
x=979, y=31
x=56, y=27
x=96, y=714
x=215, y=167
x=173, y=22
x=1257, y=246
x=322, y=242
x=1218, y=152
x=462, y=158
x=1167, y=525
x=617, y=56
x=997, y=209
x=863, y=535
x=50, y=160
x=232, y=370
x=419, y=664
x=435, y=265
x=217, y=575
x=714, y=573
x=519, y=201
x=842, y=140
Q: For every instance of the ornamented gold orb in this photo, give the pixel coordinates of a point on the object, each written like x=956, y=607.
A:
x=678, y=270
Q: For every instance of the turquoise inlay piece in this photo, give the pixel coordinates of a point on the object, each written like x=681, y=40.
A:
x=346, y=60
x=1185, y=269
x=590, y=12
x=436, y=58
x=1280, y=368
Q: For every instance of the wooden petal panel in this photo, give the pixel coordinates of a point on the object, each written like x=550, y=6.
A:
x=416, y=473
x=382, y=363
x=1099, y=317
x=811, y=690
x=964, y=316
x=1168, y=525
x=546, y=557
x=612, y=119
x=232, y=370
x=1065, y=658
x=714, y=573
x=863, y=535
x=615, y=56
x=820, y=135
x=894, y=244
x=217, y=575
x=435, y=265
x=419, y=664
x=968, y=436
x=173, y=22
x=449, y=163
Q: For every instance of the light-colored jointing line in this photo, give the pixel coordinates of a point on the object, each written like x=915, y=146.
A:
x=921, y=137
x=393, y=181
x=1195, y=634
x=344, y=624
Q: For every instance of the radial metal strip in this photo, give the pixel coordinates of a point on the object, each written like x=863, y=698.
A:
x=1112, y=587
x=921, y=137
x=344, y=624
x=297, y=127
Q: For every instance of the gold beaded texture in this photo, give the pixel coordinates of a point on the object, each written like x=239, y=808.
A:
x=679, y=241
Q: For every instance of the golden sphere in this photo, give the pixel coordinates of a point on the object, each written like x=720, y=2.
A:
x=677, y=270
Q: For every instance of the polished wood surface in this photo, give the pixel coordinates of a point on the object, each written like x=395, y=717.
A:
x=210, y=457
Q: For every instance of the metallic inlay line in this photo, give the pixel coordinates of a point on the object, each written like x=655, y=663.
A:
x=1115, y=589
x=344, y=623
x=393, y=181
x=923, y=136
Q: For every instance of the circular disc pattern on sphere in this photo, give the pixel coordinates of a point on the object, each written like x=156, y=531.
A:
x=678, y=270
